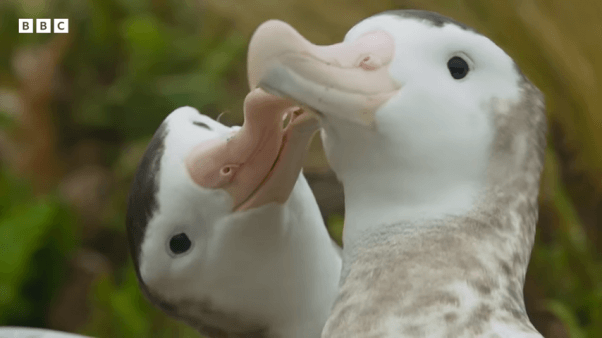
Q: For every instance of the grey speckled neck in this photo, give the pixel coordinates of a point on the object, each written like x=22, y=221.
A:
x=459, y=276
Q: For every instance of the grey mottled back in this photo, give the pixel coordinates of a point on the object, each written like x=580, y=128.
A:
x=458, y=276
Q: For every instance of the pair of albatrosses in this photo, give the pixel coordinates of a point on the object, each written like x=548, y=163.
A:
x=438, y=139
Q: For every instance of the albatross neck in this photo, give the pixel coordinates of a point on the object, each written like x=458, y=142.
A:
x=403, y=198
x=459, y=266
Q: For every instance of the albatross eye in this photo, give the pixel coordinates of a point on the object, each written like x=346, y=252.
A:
x=458, y=68
x=179, y=243
x=201, y=124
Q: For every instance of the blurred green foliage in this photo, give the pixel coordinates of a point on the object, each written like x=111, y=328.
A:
x=37, y=236
x=121, y=311
x=573, y=260
x=129, y=63
x=335, y=227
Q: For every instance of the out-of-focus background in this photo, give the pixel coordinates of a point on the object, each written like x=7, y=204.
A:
x=77, y=110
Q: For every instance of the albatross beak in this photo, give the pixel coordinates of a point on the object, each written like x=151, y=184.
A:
x=259, y=163
x=347, y=80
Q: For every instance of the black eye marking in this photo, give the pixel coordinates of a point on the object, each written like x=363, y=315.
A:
x=201, y=124
x=457, y=67
x=179, y=243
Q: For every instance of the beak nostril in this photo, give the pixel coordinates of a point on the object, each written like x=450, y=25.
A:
x=227, y=170
x=370, y=62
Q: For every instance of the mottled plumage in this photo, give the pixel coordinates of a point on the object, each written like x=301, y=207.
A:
x=440, y=162
x=459, y=276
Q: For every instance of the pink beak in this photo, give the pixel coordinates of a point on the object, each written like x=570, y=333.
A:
x=260, y=163
x=349, y=80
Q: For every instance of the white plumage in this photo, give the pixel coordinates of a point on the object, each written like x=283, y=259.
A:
x=270, y=271
x=24, y=332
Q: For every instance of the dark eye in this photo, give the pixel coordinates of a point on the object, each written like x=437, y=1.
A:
x=179, y=243
x=457, y=67
x=201, y=124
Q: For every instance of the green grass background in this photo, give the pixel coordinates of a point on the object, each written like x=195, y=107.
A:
x=77, y=110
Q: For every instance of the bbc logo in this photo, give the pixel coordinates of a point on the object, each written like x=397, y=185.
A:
x=44, y=25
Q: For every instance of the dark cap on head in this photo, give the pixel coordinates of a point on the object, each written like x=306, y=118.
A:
x=433, y=18
x=142, y=200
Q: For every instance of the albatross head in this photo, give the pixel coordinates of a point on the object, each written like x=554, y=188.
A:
x=207, y=213
x=413, y=106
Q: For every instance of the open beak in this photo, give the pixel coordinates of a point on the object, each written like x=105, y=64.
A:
x=347, y=80
x=259, y=163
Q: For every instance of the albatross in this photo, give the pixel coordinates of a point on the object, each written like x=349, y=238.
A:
x=438, y=139
x=223, y=228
